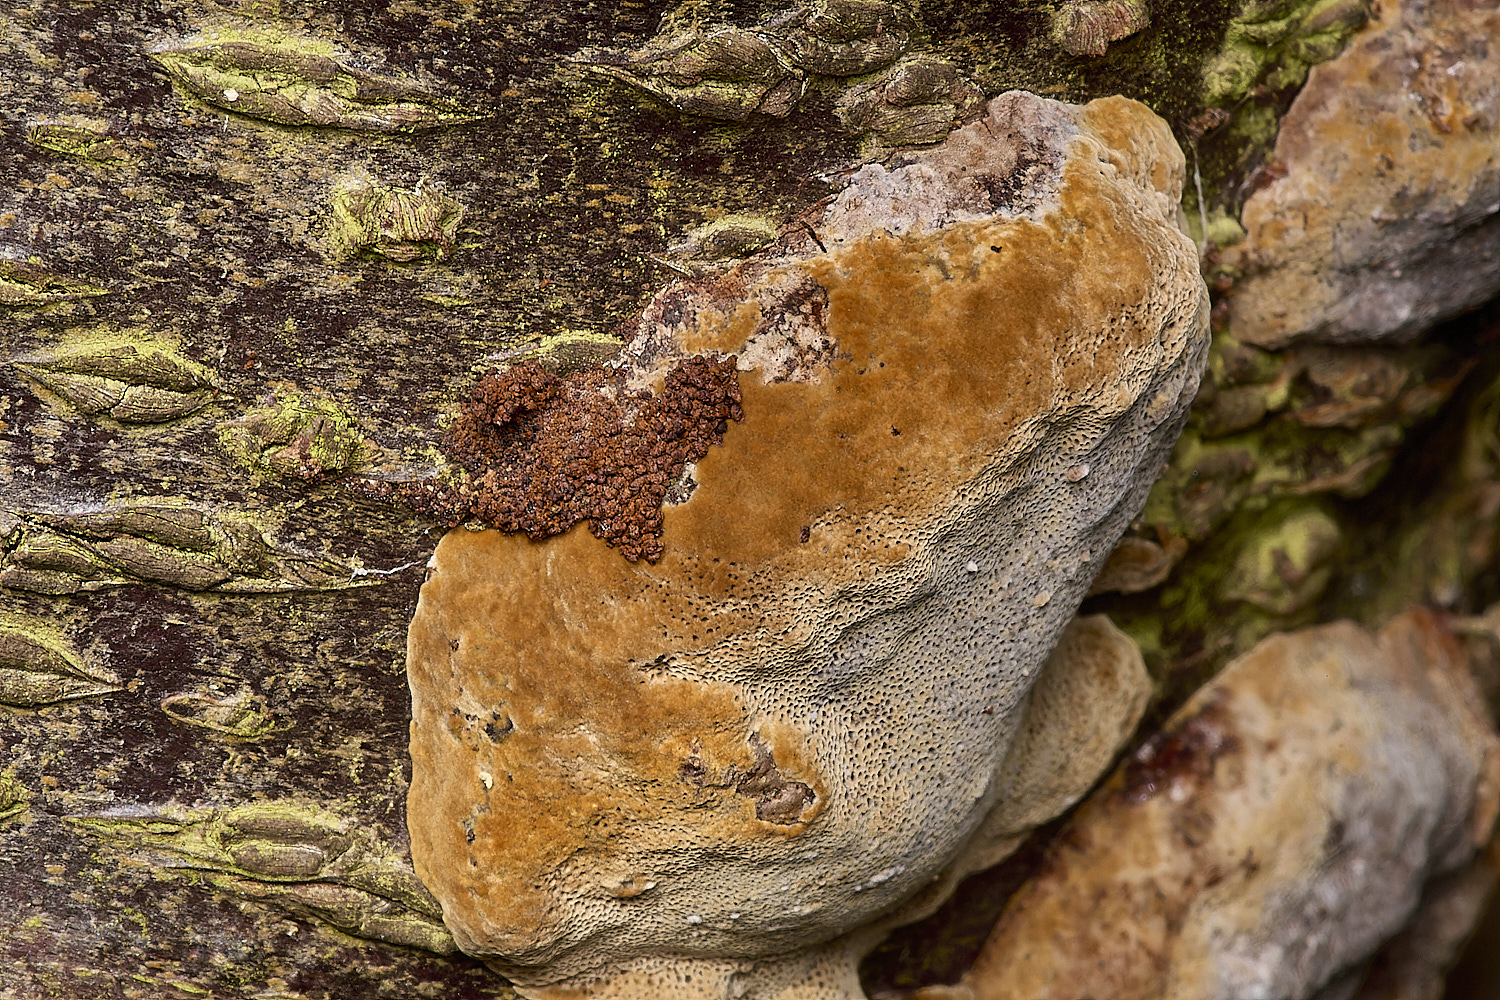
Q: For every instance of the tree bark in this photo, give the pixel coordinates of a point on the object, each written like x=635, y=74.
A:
x=220, y=325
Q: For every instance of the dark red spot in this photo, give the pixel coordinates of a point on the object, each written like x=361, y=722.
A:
x=1187, y=752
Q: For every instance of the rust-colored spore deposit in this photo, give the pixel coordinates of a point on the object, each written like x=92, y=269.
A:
x=541, y=452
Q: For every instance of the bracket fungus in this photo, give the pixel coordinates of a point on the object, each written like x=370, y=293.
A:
x=1328, y=786
x=724, y=772
x=1379, y=215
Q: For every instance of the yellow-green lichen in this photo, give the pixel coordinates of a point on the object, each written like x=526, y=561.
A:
x=295, y=856
x=446, y=301
x=1222, y=228
x=1305, y=422
x=724, y=241
x=1275, y=42
x=399, y=224
x=918, y=100
x=564, y=352
x=292, y=79
x=75, y=135
x=13, y=795
x=721, y=72
x=178, y=546
x=134, y=378
x=1233, y=363
x=299, y=437
x=1272, y=438
x=1285, y=565
x=39, y=668
x=242, y=715
x=27, y=284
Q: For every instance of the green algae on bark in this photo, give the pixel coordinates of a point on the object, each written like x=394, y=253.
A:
x=1305, y=422
x=298, y=81
x=299, y=857
x=37, y=668
x=1285, y=566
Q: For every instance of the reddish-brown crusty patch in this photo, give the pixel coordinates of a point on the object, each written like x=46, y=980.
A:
x=541, y=452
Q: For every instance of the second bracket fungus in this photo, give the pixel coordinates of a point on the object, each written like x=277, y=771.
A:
x=1380, y=212
x=722, y=772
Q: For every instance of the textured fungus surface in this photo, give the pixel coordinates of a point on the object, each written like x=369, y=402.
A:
x=1385, y=218
x=1278, y=830
x=695, y=777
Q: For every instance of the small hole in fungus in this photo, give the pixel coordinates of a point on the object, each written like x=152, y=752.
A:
x=806, y=533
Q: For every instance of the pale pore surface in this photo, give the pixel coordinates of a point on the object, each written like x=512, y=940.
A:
x=719, y=765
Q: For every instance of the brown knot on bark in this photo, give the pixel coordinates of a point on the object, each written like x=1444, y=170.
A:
x=540, y=452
